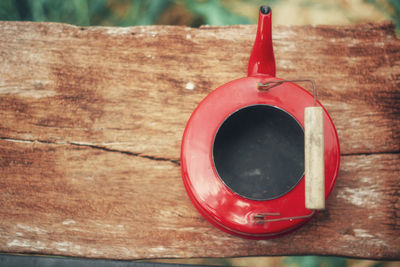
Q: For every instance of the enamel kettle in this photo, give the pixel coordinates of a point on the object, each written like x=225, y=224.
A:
x=260, y=154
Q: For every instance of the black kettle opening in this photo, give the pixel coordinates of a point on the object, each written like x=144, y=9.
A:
x=258, y=152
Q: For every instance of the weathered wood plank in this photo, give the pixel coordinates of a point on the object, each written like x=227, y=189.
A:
x=92, y=118
x=126, y=88
x=82, y=201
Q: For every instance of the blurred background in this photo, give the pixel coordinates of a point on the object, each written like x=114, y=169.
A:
x=197, y=12
x=213, y=12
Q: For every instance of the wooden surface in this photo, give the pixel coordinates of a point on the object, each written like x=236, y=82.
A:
x=91, y=121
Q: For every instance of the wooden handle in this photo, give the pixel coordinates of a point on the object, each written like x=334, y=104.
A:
x=314, y=158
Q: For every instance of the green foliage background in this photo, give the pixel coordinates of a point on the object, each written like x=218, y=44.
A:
x=118, y=13
x=189, y=12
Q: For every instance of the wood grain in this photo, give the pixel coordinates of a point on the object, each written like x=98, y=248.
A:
x=92, y=119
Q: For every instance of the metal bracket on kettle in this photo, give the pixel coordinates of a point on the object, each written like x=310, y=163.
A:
x=270, y=84
x=261, y=218
x=313, y=149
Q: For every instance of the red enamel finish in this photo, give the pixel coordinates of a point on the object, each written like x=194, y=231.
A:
x=262, y=60
x=216, y=202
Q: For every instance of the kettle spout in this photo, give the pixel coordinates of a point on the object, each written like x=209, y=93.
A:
x=262, y=60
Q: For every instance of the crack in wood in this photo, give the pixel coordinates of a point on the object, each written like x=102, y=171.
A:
x=136, y=154
x=370, y=153
x=82, y=128
x=174, y=161
x=94, y=146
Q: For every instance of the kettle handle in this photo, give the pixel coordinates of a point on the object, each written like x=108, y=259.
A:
x=262, y=60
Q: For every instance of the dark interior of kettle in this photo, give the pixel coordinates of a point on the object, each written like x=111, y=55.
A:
x=258, y=152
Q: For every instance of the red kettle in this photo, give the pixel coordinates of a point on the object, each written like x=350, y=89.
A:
x=259, y=154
